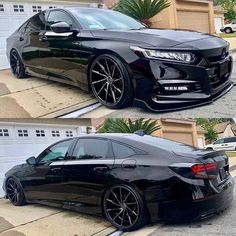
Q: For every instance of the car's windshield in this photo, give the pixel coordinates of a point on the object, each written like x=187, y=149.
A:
x=99, y=19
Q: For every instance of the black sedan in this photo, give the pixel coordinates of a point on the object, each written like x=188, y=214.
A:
x=120, y=60
x=129, y=178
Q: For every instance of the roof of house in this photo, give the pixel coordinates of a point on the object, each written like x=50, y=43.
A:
x=233, y=127
x=221, y=127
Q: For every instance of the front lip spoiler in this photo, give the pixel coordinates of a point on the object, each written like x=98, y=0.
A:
x=144, y=104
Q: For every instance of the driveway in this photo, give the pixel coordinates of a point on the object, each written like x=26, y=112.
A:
x=34, y=97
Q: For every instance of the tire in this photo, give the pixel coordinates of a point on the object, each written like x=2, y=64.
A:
x=228, y=30
x=110, y=82
x=17, y=66
x=15, y=192
x=124, y=208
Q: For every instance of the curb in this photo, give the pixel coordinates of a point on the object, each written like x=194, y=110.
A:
x=232, y=168
x=232, y=50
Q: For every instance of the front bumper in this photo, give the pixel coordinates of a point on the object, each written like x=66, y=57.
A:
x=204, y=84
x=190, y=210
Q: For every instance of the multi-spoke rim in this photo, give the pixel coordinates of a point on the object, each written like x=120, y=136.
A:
x=122, y=207
x=13, y=191
x=107, y=80
x=15, y=62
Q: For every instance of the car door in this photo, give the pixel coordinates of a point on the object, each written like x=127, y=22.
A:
x=30, y=43
x=60, y=54
x=43, y=181
x=219, y=144
x=229, y=144
x=87, y=173
x=233, y=25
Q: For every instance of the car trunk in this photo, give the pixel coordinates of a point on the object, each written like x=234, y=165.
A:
x=216, y=175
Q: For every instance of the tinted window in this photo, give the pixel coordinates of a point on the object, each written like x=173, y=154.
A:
x=91, y=149
x=230, y=140
x=220, y=141
x=57, y=152
x=37, y=22
x=162, y=143
x=23, y=27
x=122, y=151
x=58, y=16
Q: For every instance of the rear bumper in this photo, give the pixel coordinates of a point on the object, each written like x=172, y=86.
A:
x=185, y=211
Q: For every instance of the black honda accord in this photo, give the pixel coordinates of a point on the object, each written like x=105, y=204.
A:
x=120, y=60
x=129, y=178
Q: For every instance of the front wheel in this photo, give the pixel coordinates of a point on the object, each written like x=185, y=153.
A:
x=110, y=82
x=15, y=192
x=124, y=208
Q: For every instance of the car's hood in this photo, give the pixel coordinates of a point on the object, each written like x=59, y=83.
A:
x=153, y=37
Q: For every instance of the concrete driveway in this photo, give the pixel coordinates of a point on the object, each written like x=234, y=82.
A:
x=34, y=97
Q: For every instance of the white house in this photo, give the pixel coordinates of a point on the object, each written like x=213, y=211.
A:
x=224, y=130
x=23, y=138
x=14, y=12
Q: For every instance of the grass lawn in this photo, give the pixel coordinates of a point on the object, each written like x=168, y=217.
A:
x=223, y=35
x=231, y=154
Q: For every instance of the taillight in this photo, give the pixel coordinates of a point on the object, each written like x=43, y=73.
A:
x=201, y=170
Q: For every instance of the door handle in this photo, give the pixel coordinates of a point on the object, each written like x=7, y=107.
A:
x=100, y=169
x=56, y=169
x=43, y=38
x=21, y=39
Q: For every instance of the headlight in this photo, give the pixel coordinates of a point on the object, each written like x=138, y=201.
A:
x=164, y=55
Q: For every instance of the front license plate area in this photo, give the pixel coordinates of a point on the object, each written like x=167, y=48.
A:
x=224, y=68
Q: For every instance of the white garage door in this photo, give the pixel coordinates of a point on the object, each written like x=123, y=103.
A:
x=12, y=15
x=218, y=24
x=18, y=142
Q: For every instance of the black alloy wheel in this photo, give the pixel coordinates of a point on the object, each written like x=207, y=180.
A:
x=124, y=208
x=17, y=66
x=110, y=82
x=14, y=192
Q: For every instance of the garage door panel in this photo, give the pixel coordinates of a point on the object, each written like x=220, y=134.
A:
x=198, y=21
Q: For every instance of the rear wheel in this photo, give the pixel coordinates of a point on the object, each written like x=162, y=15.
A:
x=110, y=82
x=17, y=66
x=228, y=30
x=15, y=192
x=124, y=208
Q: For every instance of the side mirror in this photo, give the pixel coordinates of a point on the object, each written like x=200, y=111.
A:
x=61, y=27
x=31, y=161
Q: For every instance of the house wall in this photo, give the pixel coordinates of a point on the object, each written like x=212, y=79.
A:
x=183, y=131
x=199, y=14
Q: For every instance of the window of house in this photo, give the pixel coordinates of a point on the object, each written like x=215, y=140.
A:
x=36, y=8
x=51, y=7
x=55, y=133
x=69, y=133
x=1, y=8
x=40, y=133
x=23, y=133
x=4, y=133
x=18, y=8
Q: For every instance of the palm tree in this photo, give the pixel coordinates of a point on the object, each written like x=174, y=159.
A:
x=119, y=125
x=142, y=10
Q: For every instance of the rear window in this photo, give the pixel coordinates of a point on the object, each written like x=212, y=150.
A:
x=164, y=144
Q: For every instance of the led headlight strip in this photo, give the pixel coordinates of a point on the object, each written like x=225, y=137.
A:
x=164, y=55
